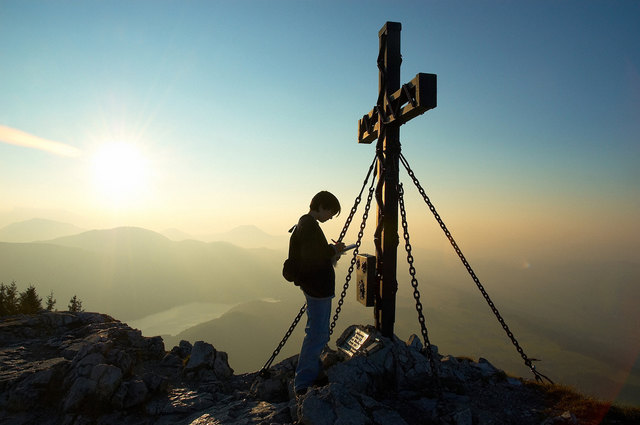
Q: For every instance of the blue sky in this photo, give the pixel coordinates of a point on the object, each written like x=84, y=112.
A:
x=242, y=110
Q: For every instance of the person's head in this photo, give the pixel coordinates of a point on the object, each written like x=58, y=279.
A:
x=325, y=204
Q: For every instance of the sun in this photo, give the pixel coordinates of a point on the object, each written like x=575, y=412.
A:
x=121, y=172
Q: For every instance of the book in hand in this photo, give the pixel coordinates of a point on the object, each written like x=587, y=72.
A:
x=348, y=247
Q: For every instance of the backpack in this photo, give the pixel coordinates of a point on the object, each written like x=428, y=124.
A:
x=291, y=264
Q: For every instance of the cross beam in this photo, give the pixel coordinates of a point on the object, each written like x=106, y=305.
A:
x=412, y=99
x=396, y=105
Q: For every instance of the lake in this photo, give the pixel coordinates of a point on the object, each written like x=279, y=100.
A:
x=177, y=319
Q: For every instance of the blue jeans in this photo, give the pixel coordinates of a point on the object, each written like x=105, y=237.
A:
x=316, y=337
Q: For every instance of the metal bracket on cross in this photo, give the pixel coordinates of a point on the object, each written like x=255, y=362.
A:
x=412, y=99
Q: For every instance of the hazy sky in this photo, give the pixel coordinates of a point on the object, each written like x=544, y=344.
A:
x=206, y=115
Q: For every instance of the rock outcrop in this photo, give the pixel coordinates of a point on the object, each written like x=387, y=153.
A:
x=84, y=368
x=88, y=368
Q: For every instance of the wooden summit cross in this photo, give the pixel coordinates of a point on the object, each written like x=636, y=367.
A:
x=396, y=105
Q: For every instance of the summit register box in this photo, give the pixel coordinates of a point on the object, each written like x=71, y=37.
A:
x=366, y=279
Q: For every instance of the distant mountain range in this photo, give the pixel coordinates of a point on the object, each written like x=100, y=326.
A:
x=250, y=236
x=41, y=229
x=133, y=272
x=37, y=229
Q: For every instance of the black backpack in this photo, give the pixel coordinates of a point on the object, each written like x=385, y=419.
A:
x=291, y=265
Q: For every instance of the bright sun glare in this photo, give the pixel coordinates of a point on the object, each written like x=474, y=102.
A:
x=121, y=172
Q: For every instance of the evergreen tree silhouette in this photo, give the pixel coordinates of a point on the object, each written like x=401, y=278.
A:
x=8, y=299
x=29, y=301
x=50, y=302
x=75, y=305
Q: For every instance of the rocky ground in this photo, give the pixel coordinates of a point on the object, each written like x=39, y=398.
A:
x=87, y=368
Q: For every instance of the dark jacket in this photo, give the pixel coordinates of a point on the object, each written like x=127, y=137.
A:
x=316, y=276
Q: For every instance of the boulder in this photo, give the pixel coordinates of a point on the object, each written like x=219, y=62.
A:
x=107, y=378
x=182, y=350
x=82, y=389
x=204, y=356
x=136, y=394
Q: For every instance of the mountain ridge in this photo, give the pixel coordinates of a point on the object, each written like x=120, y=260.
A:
x=44, y=229
x=36, y=229
x=251, y=236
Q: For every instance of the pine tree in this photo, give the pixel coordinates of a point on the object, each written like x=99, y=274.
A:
x=3, y=306
x=75, y=305
x=8, y=299
x=29, y=302
x=50, y=302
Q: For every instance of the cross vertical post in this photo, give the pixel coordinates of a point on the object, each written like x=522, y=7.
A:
x=387, y=242
x=396, y=105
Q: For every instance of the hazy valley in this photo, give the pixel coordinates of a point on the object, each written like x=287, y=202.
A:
x=132, y=272
x=581, y=319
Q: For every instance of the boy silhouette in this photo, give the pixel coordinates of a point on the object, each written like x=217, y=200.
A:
x=316, y=278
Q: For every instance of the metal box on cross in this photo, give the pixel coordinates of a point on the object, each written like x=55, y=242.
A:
x=366, y=279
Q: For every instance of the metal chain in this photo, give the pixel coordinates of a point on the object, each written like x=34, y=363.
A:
x=365, y=215
x=356, y=203
x=264, y=372
x=414, y=282
x=539, y=376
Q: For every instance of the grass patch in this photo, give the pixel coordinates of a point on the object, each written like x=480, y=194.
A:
x=588, y=410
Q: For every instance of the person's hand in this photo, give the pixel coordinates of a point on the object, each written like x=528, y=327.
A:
x=339, y=248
